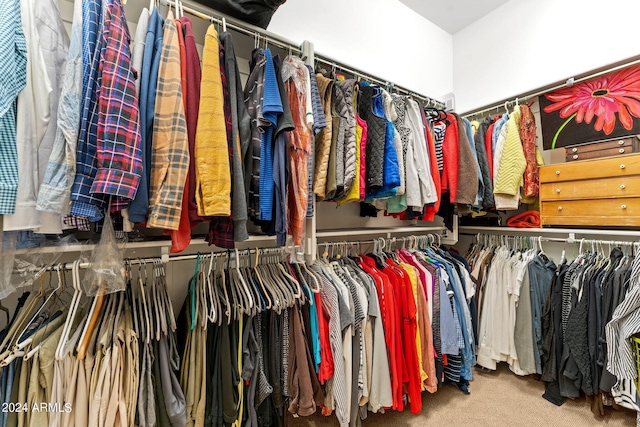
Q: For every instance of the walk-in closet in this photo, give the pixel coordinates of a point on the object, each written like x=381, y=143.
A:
x=292, y=213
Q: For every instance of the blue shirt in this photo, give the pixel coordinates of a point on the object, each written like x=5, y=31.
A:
x=148, y=83
x=83, y=203
x=271, y=109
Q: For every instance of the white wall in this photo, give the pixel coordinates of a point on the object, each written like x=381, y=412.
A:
x=528, y=44
x=381, y=37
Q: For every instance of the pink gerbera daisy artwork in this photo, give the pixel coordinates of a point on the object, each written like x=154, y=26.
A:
x=614, y=96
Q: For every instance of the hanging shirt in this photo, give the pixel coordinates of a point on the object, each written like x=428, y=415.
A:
x=241, y=128
x=148, y=77
x=13, y=76
x=271, y=109
x=32, y=119
x=83, y=203
x=54, y=42
x=213, y=178
x=170, y=159
x=55, y=191
x=119, y=157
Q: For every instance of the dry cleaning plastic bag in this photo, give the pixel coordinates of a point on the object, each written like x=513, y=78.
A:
x=106, y=272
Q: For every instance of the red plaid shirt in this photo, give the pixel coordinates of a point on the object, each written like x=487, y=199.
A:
x=118, y=146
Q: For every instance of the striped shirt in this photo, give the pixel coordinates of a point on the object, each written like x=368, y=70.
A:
x=624, y=323
x=337, y=387
x=439, y=130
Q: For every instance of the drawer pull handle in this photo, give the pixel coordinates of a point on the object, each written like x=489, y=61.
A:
x=620, y=142
x=621, y=150
x=557, y=172
x=622, y=186
x=624, y=206
x=558, y=191
x=575, y=150
x=622, y=166
x=575, y=157
x=559, y=208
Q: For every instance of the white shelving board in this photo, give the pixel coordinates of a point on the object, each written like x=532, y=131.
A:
x=555, y=232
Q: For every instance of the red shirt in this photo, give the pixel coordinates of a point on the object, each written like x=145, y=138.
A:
x=451, y=157
x=325, y=371
x=488, y=143
x=409, y=331
x=391, y=328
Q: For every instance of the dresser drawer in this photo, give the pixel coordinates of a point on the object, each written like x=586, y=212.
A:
x=608, y=212
x=597, y=154
x=592, y=189
x=628, y=141
x=591, y=169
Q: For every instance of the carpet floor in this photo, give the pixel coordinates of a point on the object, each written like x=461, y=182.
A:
x=497, y=398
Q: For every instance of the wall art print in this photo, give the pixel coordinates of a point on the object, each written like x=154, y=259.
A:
x=597, y=109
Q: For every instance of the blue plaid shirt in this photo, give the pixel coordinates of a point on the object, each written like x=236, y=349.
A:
x=83, y=203
x=13, y=78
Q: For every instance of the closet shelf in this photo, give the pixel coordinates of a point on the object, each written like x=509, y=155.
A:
x=548, y=231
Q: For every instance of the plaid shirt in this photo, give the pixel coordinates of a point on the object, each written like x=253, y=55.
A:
x=170, y=159
x=13, y=78
x=119, y=154
x=83, y=203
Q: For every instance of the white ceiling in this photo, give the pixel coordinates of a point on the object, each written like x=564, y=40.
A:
x=453, y=15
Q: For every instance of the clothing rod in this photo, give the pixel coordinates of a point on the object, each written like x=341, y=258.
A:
x=237, y=25
x=327, y=61
x=570, y=82
x=151, y=261
x=553, y=239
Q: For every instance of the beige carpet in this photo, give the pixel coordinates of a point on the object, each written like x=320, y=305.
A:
x=497, y=399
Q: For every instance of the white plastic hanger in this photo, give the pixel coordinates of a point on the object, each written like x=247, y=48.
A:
x=73, y=308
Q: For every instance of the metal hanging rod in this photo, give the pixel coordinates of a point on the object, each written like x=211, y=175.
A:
x=570, y=82
x=142, y=261
x=236, y=25
x=368, y=77
x=570, y=239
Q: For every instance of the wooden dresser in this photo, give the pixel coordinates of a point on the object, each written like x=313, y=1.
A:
x=598, y=192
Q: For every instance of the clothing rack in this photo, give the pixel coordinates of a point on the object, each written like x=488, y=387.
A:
x=524, y=98
x=236, y=25
x=162, y=260
x=570, y=239
x=430, y=102
x=347, y=245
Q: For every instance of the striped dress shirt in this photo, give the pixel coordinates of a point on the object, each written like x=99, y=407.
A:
x=170, y=159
